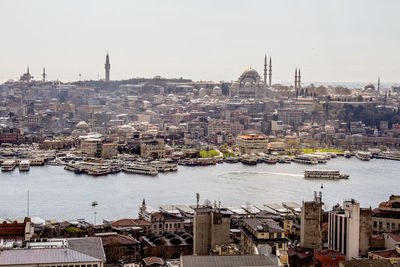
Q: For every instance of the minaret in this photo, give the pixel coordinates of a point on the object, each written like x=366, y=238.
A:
x=107, y=66
x=295, y=79
x=299, y=80
x=379, y=84
x=44, y=75
x=265, y=70
x=142, y=210
x=270, y=71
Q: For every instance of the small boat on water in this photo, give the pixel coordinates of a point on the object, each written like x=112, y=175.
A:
x=347, y=154
x=364, y=156
x=305, y=159
x=94, y=203
x=270, y=161
x=24, y=166
x=249, y=161
x=231, y=160
x=140, y=169
x=8, y=165
x=285, y=160
x=324, y=174
x=98, y=171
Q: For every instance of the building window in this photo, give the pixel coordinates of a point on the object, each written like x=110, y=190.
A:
x=393, y=226
x=387, y=225
x=375, y=224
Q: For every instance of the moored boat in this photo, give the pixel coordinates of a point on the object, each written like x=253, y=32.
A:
x=305, y=159
x=24, y=165
x=249, y=161
x=8, y=165
x=364, y=156
x=140, y=169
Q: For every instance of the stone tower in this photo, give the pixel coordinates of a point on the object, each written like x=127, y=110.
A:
x=107, y=67
x=311, y=222
x=142, y=210
x=211, y=227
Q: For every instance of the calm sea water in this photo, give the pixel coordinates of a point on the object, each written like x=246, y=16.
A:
x=63, y=195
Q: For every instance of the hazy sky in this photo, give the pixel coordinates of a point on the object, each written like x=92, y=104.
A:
x=336, y=40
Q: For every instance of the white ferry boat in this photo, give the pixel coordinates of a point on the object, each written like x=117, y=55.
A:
x=8, y=165
x=164, y=167
x=305, y=159
x=140, y=169
x=325, y=174
x=24, y=165
x=364, y=156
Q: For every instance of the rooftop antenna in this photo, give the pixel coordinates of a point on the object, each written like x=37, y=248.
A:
x=197, y=198
x=27, y=209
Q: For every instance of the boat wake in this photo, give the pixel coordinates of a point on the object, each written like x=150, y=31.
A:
x=237, y=173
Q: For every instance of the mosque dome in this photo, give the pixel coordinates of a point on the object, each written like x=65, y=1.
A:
x=247, y=84
x=82, y=125
x=217, y=90
x=369, y=86
x=202, y=92
x=126, y=128
x=249, y=74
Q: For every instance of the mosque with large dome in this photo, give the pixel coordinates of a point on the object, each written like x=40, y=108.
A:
x=250, y=84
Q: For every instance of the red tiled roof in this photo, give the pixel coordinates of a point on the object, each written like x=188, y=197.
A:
x=142, y=222
x=153, y=260
x=378, y=237
x=300, y=252
x=330, y=252
x=386, y=253
x=124, y=223
x=117, y=239
x=131, y=223
x=395, y=237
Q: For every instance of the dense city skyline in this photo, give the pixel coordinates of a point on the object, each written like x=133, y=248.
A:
x=338, y=41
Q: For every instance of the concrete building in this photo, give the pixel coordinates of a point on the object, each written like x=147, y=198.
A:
x=328, y=257
x=386, y=218
x=152, y=148
x=252, y=143
x=291, y=116
x=91, y=147
x=257, y=233
x=218, y=126
x=162, y=222
x=349, y=229
x=109, y=150
x=211, y=227
x=311, y=223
